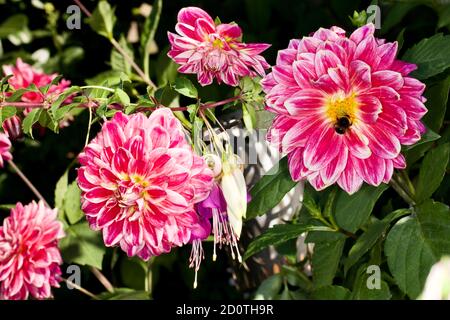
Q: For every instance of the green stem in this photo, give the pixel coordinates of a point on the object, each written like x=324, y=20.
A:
x=98, y=87
x=401, y=192
x=149, y=277
x=81, y=289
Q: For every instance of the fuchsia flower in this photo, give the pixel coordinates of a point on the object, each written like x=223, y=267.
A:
x=5, y=146
x=25, y=75
x=140, y=180
x=214, y=51
x=29, y=254
x=343, y=108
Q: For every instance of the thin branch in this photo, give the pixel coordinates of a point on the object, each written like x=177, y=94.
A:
x=81, y=289
x=401, y=192
x=83, y=8
x=28, y=182
x=103, y=280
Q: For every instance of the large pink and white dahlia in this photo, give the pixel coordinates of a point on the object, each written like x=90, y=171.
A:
x=29, y=254
x=343, y=108
x=5, y=146
x=140, y=180
x=214, y=51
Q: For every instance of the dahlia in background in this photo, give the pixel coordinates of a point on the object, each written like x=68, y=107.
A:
x=214, y=51
x=140, y=180
x=29, y=254
x=5, y=146
x=343, y=108
x=23, y=75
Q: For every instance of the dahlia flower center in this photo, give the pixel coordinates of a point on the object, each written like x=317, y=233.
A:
x=341, y=110
x=132, y=189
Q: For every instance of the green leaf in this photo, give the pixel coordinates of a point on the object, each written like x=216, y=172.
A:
x=103, y=19
x=249, y=116
x=82, y=246
x=331, y=293
x=6, y=112
x=60, y=192
x=122, y=96
x=325, y=262
x=434, y=220
x=430, y=55
x=361, y=290
x=437, y=98
x=150, y=26
x=118, y=62
x=269, y=288
x=72, y=205
x=279, y=234
x=185, y=87
x=432, y=171
x=124, y=294
x=270, y=190
x=352, y=211
x=369, y=238
x=13, y=25
x=409, y=256
x=62, y=97
x=30, y=120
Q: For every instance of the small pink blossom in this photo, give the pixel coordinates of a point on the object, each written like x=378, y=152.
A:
x=344, y=106
x=23, y=75
x=140, y=180
x=29, y=254
x=5, y=146
x=214, y=51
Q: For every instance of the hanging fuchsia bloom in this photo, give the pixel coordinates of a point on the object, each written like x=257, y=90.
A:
x=343, y=108
x=5, y=146
x=24, y=75
x=140, y=180
x=29, y=254
x=214, y=51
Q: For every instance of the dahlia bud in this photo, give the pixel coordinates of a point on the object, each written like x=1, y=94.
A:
x=13, y=127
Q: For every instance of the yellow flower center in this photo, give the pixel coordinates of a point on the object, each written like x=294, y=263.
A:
x=341, y=110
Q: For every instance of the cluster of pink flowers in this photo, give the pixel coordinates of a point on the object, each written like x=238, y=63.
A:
x=140, y=180
x=214, y=51
x=5, y=146
x=23, y=75
x=29, y=254
x=343, y=108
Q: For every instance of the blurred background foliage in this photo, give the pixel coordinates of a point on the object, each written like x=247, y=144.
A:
x=36, y=31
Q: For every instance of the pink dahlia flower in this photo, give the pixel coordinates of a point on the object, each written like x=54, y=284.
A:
x=343, y=108
x=140, y=180
x=214, y=51
x=25, y=75
x=29, y=254
x=5, y=146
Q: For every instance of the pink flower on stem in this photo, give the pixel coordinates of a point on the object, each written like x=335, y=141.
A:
x=344, y=106
x=214, y=51
x=5, y=146
x=23, y=75
x=29, y=254
x=140, y=180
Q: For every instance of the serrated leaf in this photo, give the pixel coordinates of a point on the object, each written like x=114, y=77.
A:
x=437, y=98
x=270, y=190
x=60, y=192
x=361, y=291
x=279, y=234
x=124, y=294
x=185, y=87
x=325, y=262
x=7, y=112
x=409, y=256
x=432, y=171
x=269, y=288
x=72, y=204
x=118, y=62
x=30, y=120
x=331, y=293
x=122, y=96
x=352, y=211
x=82, y=246
x=249, y=116
x=369, y=238
x=430, y=55
x=103, y=19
